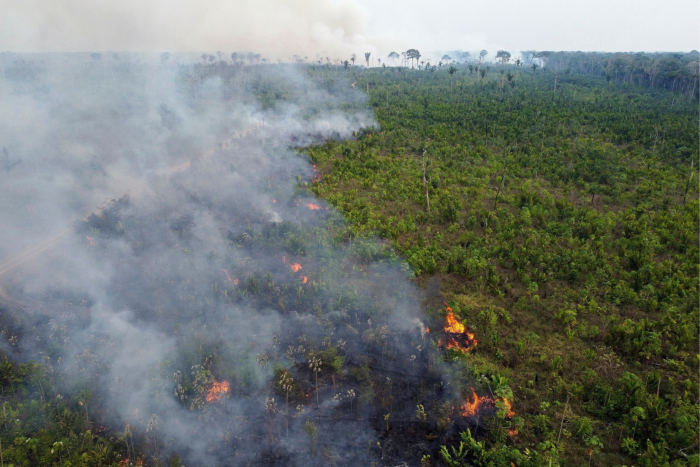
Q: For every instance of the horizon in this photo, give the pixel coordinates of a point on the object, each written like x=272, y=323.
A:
x=279, y=29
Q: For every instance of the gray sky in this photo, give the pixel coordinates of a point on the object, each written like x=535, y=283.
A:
x=336, y=28
x=590, y=25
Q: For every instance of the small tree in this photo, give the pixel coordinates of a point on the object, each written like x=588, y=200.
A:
x=351, y=396
x=286, y=384
x=425, y=182
x=84, y=399
x=352, y=59
x=310, y=430
x=315, y=365
x=687, y=183
x=595, y=446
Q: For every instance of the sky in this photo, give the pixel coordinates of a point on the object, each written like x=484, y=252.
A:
x=280, y=29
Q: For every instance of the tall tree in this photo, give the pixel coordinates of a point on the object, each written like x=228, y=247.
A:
x=482, y=54
x=367, y=55
x=504, y=56
x=695, y=70
x=413, y=54
x=543, y=57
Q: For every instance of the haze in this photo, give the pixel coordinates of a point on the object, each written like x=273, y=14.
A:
x=279, y=29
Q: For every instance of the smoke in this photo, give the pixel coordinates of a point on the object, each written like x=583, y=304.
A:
x=276, y=28
x=206, y=262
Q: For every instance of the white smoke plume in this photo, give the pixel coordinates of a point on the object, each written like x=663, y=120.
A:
x=193, y=275
x=278, y=29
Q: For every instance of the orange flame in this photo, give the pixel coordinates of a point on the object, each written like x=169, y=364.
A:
x=458, y=338
x=218, y=389
x=508, y=407
x=313, y=206
x=304, y=279
x=453, y=326
x=427, y=329
x=92, y=242
x=296, y=267
x=233, y=281
x=471, y=409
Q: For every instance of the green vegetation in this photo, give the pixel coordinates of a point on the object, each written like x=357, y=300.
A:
x=39, y=426
x=555, y=213
x=562, y=226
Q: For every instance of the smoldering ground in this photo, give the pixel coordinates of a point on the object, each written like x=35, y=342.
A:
x=209, y=307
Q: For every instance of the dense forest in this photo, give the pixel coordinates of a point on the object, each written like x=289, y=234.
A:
x=505, y=273
x=561, y=221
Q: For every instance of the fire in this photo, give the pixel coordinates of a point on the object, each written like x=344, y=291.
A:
x=296, y=267
x=457, y=335
x=92, y=242
x=218, y=389
x=479, y=404
x=508, y=407
x=313, y=206
x=471, y=409
x=304, y=279
x=274, y=200
x=127, y=462
x=427, y=329
x=453, y=326
x=284, y=259
x=233, y=281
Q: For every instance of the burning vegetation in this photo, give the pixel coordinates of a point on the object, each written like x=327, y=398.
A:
x=457, y=337
x=217, y=391
x=249, y=357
